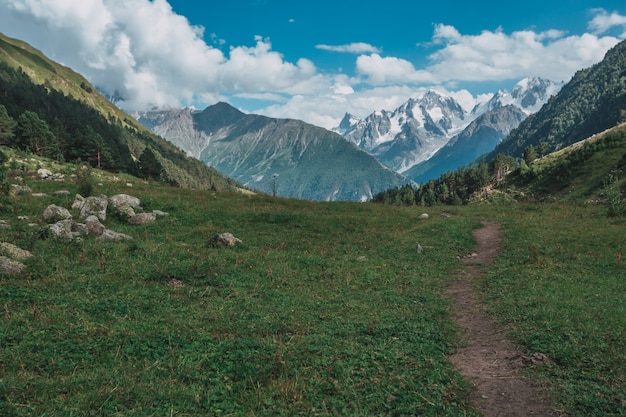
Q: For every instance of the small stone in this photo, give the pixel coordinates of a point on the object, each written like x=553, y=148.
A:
x=423, y=216
x=142, y=218
x=224, y=239
x=111, y=236
x=93, y=225
x=61, y=193
x=10, y=267
x=44, y=173
x=79, y=200
x=14, y=252
x=54, y=213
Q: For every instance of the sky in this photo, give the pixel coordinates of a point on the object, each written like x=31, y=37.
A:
x=313, y=61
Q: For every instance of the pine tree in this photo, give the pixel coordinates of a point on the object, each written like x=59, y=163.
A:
x=7, y=126
x=35, y=135
x=149, y=165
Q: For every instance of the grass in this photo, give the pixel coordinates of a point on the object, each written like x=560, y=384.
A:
x=559, y=287
x=325, y=309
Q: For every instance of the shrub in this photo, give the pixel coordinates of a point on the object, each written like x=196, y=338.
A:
x=84, y=180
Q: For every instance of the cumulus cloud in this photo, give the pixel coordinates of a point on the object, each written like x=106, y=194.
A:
x=496, y=55
x=604, y=21
x=144, y=52
x=388, y=70
x=353, y=48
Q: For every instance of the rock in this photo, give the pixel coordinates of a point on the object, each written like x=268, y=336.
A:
x=160, y=213
x=61, y=193
x=124, y=211
x=111, y=236
x=224, y=239
x=79, y=229
x=423, y=216
x=10, y=267
x=123, y=204
x=79, y=200
x=96, y=206
x=62, y=229
x=39, y=195
x=94, y=227
x=142, y=218
x=124, y=199
x=420, y=248
x=53, y=213
x=44, y=173
x=13, y=252
x=21, y=190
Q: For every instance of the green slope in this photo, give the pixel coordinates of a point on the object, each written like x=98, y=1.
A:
x=579, y=172
x=594, y=100
x=80, y=117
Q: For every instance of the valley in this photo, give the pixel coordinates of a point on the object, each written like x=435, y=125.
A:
x=342, y=292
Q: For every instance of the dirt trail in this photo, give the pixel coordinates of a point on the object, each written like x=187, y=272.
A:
x=487, y=359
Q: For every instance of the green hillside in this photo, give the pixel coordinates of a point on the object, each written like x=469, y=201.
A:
x=54, y=112
x=44, y=71
x=592, y=101
x=579, y=172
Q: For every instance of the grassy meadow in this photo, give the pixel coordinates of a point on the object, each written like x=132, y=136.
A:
x=324, y=309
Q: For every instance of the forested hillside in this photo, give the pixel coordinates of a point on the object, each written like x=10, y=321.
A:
x=48, y=122
x=593, y=101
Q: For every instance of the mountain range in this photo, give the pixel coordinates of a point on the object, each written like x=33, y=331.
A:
x=426, y=136
x=285, y=157
x=408, y=138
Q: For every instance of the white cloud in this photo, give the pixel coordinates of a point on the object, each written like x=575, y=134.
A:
x=147, y=53
x=389, y=70
x=153, y=57
x=604, y=22
x=353, y=48
x=495, y=55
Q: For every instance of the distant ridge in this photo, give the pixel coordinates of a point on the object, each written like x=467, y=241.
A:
x=288, y=157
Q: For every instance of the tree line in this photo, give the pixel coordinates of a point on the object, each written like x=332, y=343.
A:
x=451, y=188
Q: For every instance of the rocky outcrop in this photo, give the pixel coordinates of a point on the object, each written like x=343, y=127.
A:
x=93, y=211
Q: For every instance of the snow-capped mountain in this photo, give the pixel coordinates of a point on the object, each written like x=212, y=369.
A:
x=421, y=126
x=409, y=134
x=529, y=95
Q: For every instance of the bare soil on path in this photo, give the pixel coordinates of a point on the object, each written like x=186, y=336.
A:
x=487, y=359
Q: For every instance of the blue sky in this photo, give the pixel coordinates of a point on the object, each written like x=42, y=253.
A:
x=313, y=60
